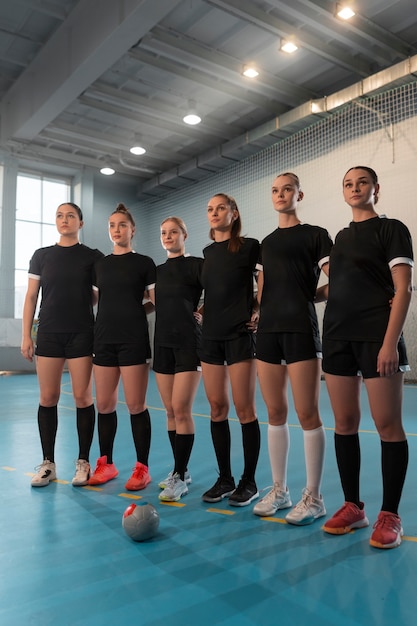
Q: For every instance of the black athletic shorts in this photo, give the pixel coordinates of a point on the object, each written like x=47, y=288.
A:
x=357, y=358
x=175, y=360
x=121, y=354
x=287, y=348
x=64, y=345
x=228, y=351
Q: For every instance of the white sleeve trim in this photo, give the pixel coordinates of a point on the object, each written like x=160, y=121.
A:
x=323, y=261
x=259, y=267
x=149, y=287
x=34, y=276
x=401, y=260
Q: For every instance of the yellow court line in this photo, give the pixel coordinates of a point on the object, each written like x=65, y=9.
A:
x=179, y=505
x=8, y=469
x=130, y=496
x=221, y=511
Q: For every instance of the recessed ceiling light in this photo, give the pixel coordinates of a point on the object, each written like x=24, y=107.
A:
x=137, y=150
x=344, y=12
x=288, y=46
x=250, y=71
x=107, y=171
x=192, y=119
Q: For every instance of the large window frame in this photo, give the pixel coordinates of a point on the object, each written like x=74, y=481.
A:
x=37, y=198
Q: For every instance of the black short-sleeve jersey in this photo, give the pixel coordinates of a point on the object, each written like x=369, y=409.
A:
x=177, y=293
x=121, y=280
x=291, y=260
x=360, y=280
x=66, y=281
x=228, y=288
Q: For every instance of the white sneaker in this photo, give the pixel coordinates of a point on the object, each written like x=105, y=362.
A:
x=307, y=510
x=174, y=490
x=187, y=478
x=45, y=472
x=275, y=499
x=82, y=473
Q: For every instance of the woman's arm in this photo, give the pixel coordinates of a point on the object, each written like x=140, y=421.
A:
x=29, y=307
x=322, y=293
x=387, y=363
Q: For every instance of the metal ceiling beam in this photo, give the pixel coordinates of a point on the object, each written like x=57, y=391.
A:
x=201, y=78
x=366, y=29
x=128, y=100
x=82, y=48
x=231, y=68
x=244, y=9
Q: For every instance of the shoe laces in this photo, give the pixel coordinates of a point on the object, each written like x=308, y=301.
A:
x=389, y=520
x=139, y=471
x=305, y=502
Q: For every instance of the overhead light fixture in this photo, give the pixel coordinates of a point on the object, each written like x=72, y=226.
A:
x=344, y=11
x=250, y=71
x=288, y=46
x=191, y=118
x=107, y=170
x=137, y=150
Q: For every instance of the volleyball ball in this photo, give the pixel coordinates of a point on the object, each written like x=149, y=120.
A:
x=140, y=521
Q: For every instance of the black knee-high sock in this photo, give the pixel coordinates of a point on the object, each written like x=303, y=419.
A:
x=141, y=431
x=251, y=439
x=394, y=461
x=220, y=434
x=348, y=456
x=86, y=418
x=107, y=427
x=171, y=437
x=183, y=447
x=48, y=425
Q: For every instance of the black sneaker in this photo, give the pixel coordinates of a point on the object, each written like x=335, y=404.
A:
x=245, y=492
x=222, y=488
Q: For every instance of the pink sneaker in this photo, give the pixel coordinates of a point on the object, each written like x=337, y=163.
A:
x=139, y=479
x=103, y=473
x=348, y=517
x=387, y=531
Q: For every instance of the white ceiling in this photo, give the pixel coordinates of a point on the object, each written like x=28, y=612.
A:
x=81, y=81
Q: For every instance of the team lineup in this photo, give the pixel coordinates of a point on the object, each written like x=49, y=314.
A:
x=244, y=312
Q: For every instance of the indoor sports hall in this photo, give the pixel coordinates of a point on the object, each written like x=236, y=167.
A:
x=92, y=99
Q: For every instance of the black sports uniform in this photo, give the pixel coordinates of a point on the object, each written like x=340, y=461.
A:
x=361, y=285
x=291, y=260
x=66, y=280
x=121, y=280
x=227, y=279
x=177, y=334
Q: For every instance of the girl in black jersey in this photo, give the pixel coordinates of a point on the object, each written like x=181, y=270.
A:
x=64, y=274
x=175, y=360
x=289, y=348
x=121, y=347
x=227, y=351
x=370, y=286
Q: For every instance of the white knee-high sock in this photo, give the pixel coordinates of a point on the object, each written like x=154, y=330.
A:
x=314, y=449
x=278, y=448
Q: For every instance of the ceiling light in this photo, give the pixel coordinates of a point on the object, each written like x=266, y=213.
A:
x=288, y=46
x=107, y=170
x=345, y=12
x=250, y=71
x=137, y=150
x=192, y=117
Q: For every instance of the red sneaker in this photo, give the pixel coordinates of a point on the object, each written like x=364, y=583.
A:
x=103, y=473
x=348, y=517
x=387, y=531
x=139, y=479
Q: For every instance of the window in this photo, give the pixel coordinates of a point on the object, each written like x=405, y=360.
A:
x=37, y=199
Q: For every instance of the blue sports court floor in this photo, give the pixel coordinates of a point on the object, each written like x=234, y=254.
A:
x=65, y=559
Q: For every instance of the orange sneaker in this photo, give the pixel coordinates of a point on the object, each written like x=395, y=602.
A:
x=139, y=479
x=348, y=517
x=103, y=473
x=387, y=531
